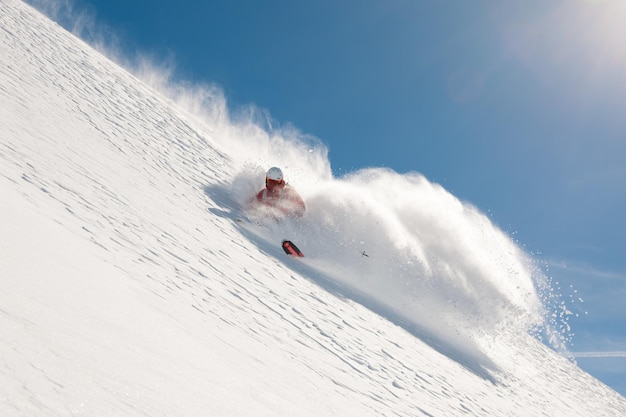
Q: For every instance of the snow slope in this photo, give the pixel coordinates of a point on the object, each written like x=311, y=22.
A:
x=128, y=288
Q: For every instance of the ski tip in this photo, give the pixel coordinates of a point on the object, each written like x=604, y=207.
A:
x=291, y=249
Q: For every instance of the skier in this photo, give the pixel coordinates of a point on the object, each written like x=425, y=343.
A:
x=277, y=198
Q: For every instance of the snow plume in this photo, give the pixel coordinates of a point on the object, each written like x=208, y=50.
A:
x=251, y=137
x=413, y=252
x=400, y=243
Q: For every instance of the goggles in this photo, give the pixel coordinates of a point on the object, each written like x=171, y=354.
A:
x=274, y=183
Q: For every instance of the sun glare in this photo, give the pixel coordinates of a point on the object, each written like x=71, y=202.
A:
x=599, y=30
x=578, y=44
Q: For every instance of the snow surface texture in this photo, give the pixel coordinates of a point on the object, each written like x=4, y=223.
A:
x=129, y=287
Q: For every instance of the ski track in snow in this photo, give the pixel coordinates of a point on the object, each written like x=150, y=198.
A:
x=129, y=290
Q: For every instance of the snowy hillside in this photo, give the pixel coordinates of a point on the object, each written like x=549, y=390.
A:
x=129, y=287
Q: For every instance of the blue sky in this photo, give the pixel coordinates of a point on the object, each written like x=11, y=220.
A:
x=516, y=107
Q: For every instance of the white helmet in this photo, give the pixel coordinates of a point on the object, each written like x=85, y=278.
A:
x=274, y=174
x=274, y=178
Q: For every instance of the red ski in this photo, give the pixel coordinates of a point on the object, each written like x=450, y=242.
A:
x=291, y=249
